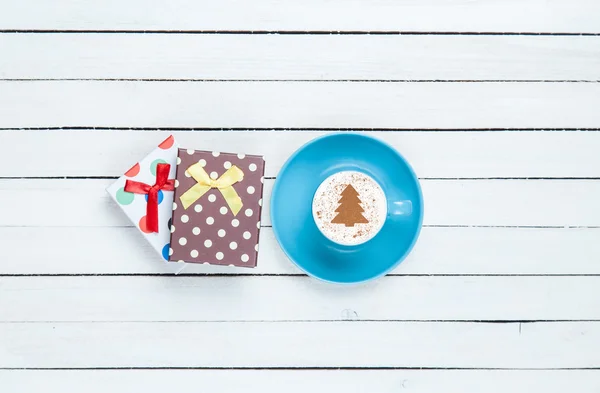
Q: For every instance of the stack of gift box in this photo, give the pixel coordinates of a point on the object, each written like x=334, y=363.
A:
x=195, y=206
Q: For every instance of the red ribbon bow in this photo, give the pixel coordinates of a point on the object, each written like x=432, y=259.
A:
x=162, y=183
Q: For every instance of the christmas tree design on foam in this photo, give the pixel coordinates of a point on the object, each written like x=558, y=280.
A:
x=349, y=211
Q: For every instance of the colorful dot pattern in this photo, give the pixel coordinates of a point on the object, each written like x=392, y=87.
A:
x=167, y=143
x=133, y=171
x=160, y=195
x=124, y=197
x=134, y=205
x=154, y=164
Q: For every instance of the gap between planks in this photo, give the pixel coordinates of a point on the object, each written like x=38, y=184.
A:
x=149, y=80
x=242, y=321
x=274, y=178
x=308, y=368
x=306, y=129
x=297, y=32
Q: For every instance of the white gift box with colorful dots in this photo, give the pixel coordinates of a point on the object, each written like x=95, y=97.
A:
x=134, y=205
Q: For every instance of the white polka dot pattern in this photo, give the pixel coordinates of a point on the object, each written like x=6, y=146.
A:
x=211, y=229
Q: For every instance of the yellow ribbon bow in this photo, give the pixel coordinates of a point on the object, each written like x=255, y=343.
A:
x=223, y=184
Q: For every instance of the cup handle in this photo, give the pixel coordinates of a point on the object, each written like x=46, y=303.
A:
x=400, y=208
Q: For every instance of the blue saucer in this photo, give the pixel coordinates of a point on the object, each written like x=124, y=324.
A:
x=291, y=208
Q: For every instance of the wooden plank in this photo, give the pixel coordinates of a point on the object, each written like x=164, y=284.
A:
x=511, y=202
x=432, y=15
x=556, y=203
x=299, y=57
x=300, y=381
x=487, y=251
x=432, y=154
x=85, y=299
x=327, y=344
x=299, y=104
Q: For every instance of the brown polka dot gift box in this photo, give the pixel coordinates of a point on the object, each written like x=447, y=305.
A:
x=217, y=206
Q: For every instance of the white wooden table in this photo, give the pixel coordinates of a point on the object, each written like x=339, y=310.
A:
x=495, y=103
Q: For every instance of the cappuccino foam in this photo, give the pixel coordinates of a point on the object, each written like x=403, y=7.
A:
x=349, y=207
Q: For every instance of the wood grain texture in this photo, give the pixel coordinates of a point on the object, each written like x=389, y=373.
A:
x=300, y=344
x=299, y=57
x=433, y=154
x=299, y=104
x=387, y=15
x=301, y=381
x=192, y=299
x=85, y=203
x=439, y=251
x=493, y=102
